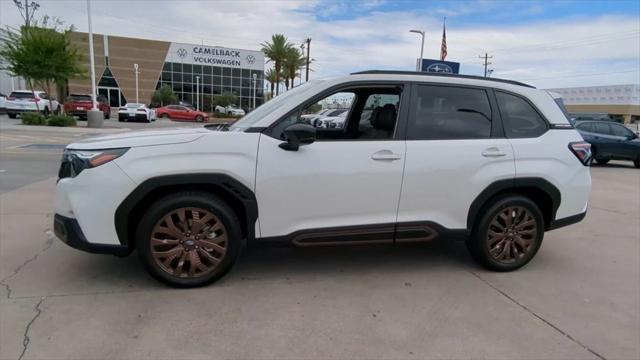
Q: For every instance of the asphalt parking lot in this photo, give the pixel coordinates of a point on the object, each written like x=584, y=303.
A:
x=578, y=299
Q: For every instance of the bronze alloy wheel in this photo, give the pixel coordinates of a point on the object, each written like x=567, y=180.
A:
x=189, y=242
x=512, y=234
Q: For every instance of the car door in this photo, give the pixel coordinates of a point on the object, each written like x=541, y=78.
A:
x=455, y=150
x=623, y=142
x=345, y=186
x=604, y=140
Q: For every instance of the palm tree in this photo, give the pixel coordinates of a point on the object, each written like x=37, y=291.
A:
x=293, y=61
x=272, y=78
x=276, y=51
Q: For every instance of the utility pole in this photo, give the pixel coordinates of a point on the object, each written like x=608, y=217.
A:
x=25, y=7
x=308, y=41
x=486, y=58
x=136, y=72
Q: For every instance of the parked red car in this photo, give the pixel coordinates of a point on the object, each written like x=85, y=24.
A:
x=181, y=112
x=79, y=104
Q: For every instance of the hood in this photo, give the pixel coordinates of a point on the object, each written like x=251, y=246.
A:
x=141, y=138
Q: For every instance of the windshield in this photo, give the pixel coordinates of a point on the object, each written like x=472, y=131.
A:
x=21, y=95
x=270, y=106
x=80, y=98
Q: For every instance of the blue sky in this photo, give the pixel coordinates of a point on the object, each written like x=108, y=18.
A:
x=545, y=43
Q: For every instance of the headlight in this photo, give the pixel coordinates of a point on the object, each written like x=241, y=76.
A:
x=75, y=161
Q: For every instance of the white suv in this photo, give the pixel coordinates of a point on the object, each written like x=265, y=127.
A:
x=420, y=156
x=21, y=101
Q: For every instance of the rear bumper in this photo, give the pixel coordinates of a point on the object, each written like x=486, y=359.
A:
x=69, y=232
x=569, y=220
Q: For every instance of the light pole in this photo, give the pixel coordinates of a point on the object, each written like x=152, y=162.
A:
x=254, y=90
x=419, y=64
x=94, y=116
x=198, y=93
x=135, y=70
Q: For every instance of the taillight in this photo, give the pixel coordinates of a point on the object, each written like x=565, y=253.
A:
x=582, y=150
x=11, y=98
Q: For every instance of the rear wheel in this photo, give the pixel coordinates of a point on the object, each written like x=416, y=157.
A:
x=13, y=116
x=636, y=163
x=509, y=233
x=188, y=239
x=46, y=111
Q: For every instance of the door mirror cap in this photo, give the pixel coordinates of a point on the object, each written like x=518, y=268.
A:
x=297, y=135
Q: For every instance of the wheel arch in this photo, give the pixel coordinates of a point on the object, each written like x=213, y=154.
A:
x=238, y=196
x=540, y=191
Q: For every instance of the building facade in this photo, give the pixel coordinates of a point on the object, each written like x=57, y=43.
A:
x=196, y=73
x=621, y=102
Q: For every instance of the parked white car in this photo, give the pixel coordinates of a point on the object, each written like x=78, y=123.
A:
x=332, y=122
x=3, y=102
x=136, y=112
x=494, y=162
x=21, y=101
x=230, y=110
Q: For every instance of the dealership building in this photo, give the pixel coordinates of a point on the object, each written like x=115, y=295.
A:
x=620, y=102
x=194, y=72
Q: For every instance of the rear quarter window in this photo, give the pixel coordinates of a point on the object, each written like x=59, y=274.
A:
x=520, y=119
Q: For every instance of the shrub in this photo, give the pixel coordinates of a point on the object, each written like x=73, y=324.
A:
x=33, y=119
x=61, y=120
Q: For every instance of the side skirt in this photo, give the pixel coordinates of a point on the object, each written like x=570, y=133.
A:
x=364, y=235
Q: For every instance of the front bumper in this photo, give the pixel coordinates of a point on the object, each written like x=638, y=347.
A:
x=69, y=232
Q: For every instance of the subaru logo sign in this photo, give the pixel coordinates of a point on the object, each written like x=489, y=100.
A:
x=251, y=59
x=439, y=68
x=182, y=52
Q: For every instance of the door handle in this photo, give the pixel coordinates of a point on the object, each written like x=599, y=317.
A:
x=385, y=155
x=493, y=152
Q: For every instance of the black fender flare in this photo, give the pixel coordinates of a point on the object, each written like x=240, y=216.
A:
x=231, y=187
x=513, y=184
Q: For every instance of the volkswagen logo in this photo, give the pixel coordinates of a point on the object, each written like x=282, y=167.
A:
x=251, y=59
x=182, y=52
x=439, y=68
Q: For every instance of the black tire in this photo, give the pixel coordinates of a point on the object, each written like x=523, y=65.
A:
x=478, y=243
x=164, y=116
x=56, y=111
x=107, y=115
x=602, y=161
x=46, y=111
x=636, y=163
x=189, y=199
x=199, y=118
x=12, y=116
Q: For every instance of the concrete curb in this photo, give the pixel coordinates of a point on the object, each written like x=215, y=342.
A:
x=54, y=129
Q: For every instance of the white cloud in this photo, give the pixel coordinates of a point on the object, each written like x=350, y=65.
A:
x=544, y=53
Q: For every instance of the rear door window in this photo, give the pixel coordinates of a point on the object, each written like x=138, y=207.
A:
x=520, y=119
x=601, y=128
x=449, y=112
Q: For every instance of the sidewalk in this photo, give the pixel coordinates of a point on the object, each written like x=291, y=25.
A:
x=7, y=124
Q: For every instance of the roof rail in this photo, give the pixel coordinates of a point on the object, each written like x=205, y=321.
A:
x=401, y=72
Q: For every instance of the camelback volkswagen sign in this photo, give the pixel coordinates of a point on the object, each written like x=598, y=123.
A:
x=431, y=65
x=215, y=56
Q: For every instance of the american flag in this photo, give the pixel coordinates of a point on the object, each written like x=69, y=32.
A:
x=443, y=47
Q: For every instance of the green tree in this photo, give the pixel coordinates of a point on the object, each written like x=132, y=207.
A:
x=42, y=55
x=225, y=99
x=164, y=96
x=293, y=61
x=270, y=76
x=276, y=51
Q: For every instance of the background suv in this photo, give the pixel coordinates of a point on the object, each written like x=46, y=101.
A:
x=21, y=101
x=79, y=104
x=610, y=141
x=419, y=156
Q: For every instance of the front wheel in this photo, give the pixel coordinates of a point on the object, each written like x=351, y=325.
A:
x=199, y=118
x=188, y=239
x=508, y=234
x=57, y=111
x=602, y=161
x=636, y=163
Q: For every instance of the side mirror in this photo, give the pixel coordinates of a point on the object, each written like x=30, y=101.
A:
x=297, y=135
